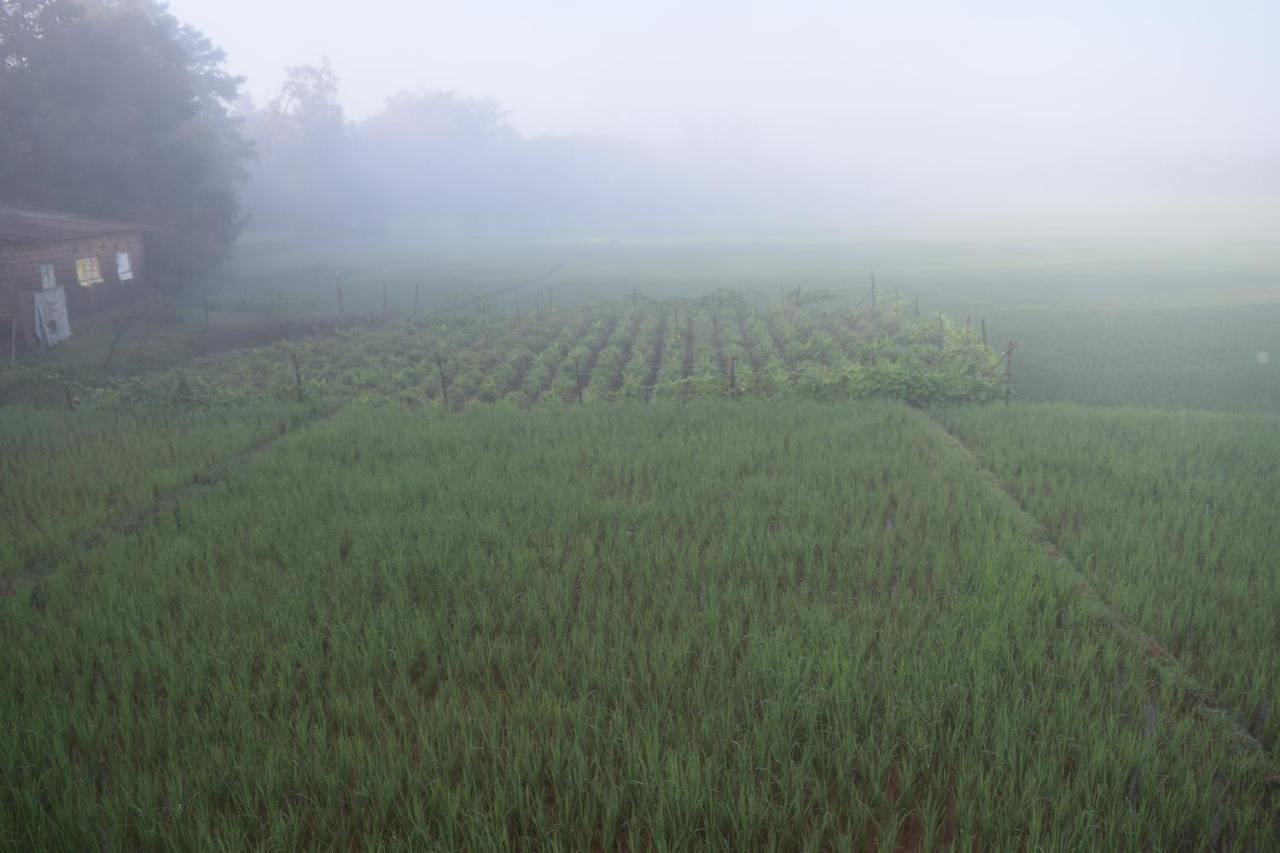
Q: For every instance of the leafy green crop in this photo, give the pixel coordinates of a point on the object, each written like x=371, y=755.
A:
x=635, y=349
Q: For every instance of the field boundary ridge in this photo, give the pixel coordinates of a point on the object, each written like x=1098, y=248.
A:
x=1166, y=665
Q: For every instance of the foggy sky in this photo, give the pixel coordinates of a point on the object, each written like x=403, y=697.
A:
x=1113, y=111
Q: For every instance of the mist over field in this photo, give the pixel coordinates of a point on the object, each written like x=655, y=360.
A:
x=1137, y=121
x=639, y=426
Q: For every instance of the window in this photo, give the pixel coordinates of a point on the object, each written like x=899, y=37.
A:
x=87, y=272
x=48, y=280
x=124, y=271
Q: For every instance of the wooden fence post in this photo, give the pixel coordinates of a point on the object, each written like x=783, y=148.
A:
x=577, y=370
x=984, y=331
x=297, y=376
x=1008, y=372
x=106, y=362
x=444, y=385
x=733, y=376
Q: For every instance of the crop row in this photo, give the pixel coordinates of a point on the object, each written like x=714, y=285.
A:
x=640, y=349
x=566, y=629
x=1175, y=517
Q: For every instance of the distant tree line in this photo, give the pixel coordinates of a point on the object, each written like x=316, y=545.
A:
x=115, y=108
x=438, y=159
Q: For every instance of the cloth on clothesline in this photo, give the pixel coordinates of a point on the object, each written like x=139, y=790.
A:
x=52, y=323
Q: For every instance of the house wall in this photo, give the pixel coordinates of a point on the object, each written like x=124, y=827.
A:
x=20, y=274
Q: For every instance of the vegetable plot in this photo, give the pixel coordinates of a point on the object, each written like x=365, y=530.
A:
x=714, y=346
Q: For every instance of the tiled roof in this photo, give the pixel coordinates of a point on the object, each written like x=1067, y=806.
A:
x=23, y=226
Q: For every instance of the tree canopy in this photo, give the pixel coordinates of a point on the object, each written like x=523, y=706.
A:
x=114, y=108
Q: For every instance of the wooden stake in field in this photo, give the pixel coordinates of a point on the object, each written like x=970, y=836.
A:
x=984, y=331
x=577, y=369
x=1008, y=372
x=106, y=362
x=338, y=285
x=733, y=377
x=444, y=384
x=297, y=376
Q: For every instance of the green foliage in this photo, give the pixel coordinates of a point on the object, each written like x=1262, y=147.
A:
x=115, y=109
x=639, y=350
x=662, y=626
x=1174, y=517
x=65, y=474
x=1217, y=357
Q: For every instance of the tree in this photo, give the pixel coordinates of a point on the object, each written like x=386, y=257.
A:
x=441, y=155
x=114, y=108
x=305, y=174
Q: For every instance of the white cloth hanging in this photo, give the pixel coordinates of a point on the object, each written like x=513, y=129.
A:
x=52, y=323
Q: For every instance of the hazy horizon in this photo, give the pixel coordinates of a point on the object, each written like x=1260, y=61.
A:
x=1148, y=120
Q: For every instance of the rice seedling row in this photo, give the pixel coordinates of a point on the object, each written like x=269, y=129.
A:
x=1174, y=517
x=66, y=474
x=644, y=626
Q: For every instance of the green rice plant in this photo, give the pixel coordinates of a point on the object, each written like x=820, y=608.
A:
x=66, y=474
x=1215, y=357
x=659, y=626
x=1174, y=517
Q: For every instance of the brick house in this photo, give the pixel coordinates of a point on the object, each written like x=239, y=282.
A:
x=96, y=262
